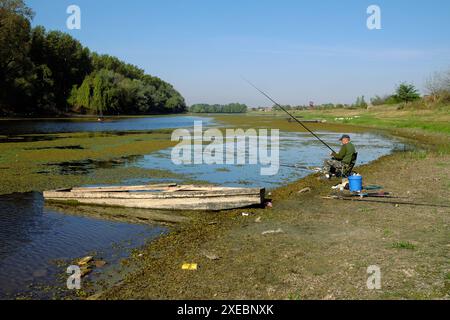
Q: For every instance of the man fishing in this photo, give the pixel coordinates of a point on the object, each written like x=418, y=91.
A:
x=342, y=159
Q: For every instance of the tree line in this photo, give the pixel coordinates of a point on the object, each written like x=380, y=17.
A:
x=218, y=108
x=404, y=93
x=51, y=73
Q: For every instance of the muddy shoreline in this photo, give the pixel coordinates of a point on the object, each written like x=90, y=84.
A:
x=215, y=240
x=260, y=275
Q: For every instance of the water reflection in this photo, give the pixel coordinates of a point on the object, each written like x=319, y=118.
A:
x=23, y=127
x=32, y=236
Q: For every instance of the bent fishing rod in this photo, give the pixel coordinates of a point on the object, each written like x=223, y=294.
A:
x=282, y=108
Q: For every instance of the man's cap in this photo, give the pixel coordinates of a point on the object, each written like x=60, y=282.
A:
x=345, y=136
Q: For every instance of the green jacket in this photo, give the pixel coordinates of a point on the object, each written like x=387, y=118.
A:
x=346, y=153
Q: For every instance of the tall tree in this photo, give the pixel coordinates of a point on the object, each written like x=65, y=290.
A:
x=406, y=93
x=51, y=72
x=69, y=62
x=15, y=65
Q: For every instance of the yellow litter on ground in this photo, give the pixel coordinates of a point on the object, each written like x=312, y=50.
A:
x=189, y=266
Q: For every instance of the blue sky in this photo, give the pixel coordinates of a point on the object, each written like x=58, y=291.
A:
x=299, y=51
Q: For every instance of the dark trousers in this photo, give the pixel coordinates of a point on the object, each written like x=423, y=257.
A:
x=332, y=166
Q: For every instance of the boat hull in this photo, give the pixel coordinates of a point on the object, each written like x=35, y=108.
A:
x=163, y=198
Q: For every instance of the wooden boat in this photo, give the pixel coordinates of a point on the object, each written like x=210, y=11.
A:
x=164, y=197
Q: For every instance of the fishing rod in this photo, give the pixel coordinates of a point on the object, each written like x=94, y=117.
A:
x=282, y=108
x=390, y=202
x=299, y=167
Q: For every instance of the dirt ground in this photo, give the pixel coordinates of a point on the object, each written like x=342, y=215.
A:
x=323, y=247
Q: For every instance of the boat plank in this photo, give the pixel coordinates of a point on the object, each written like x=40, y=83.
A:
x=175, y=204
x=152, y=195
x=125, y=188
x=182, y=198
x=165, y=187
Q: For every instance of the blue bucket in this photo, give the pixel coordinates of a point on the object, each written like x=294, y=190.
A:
x=355, y=183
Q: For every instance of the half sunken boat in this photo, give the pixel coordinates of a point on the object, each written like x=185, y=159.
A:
x=162, y=197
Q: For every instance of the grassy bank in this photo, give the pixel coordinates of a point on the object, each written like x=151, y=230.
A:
x=429, y=127
x=324, y=247
x=433, y=120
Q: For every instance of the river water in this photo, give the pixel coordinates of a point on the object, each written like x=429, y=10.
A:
x=27, y=127
x=299, y=154
x=33, y=237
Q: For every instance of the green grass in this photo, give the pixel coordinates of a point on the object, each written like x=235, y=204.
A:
x=443, y=164
x=405, y=123
x=403, y=245
x=366, y=210
x=295, y=297
x=416, y=155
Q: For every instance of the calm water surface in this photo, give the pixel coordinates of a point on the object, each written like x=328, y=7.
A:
x=296, y=149
x=21, y=127
x=33, y=238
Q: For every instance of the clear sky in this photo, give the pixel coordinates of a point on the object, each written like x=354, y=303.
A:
x=299, y=51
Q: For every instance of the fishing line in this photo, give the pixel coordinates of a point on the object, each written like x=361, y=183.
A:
x=282, y=108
